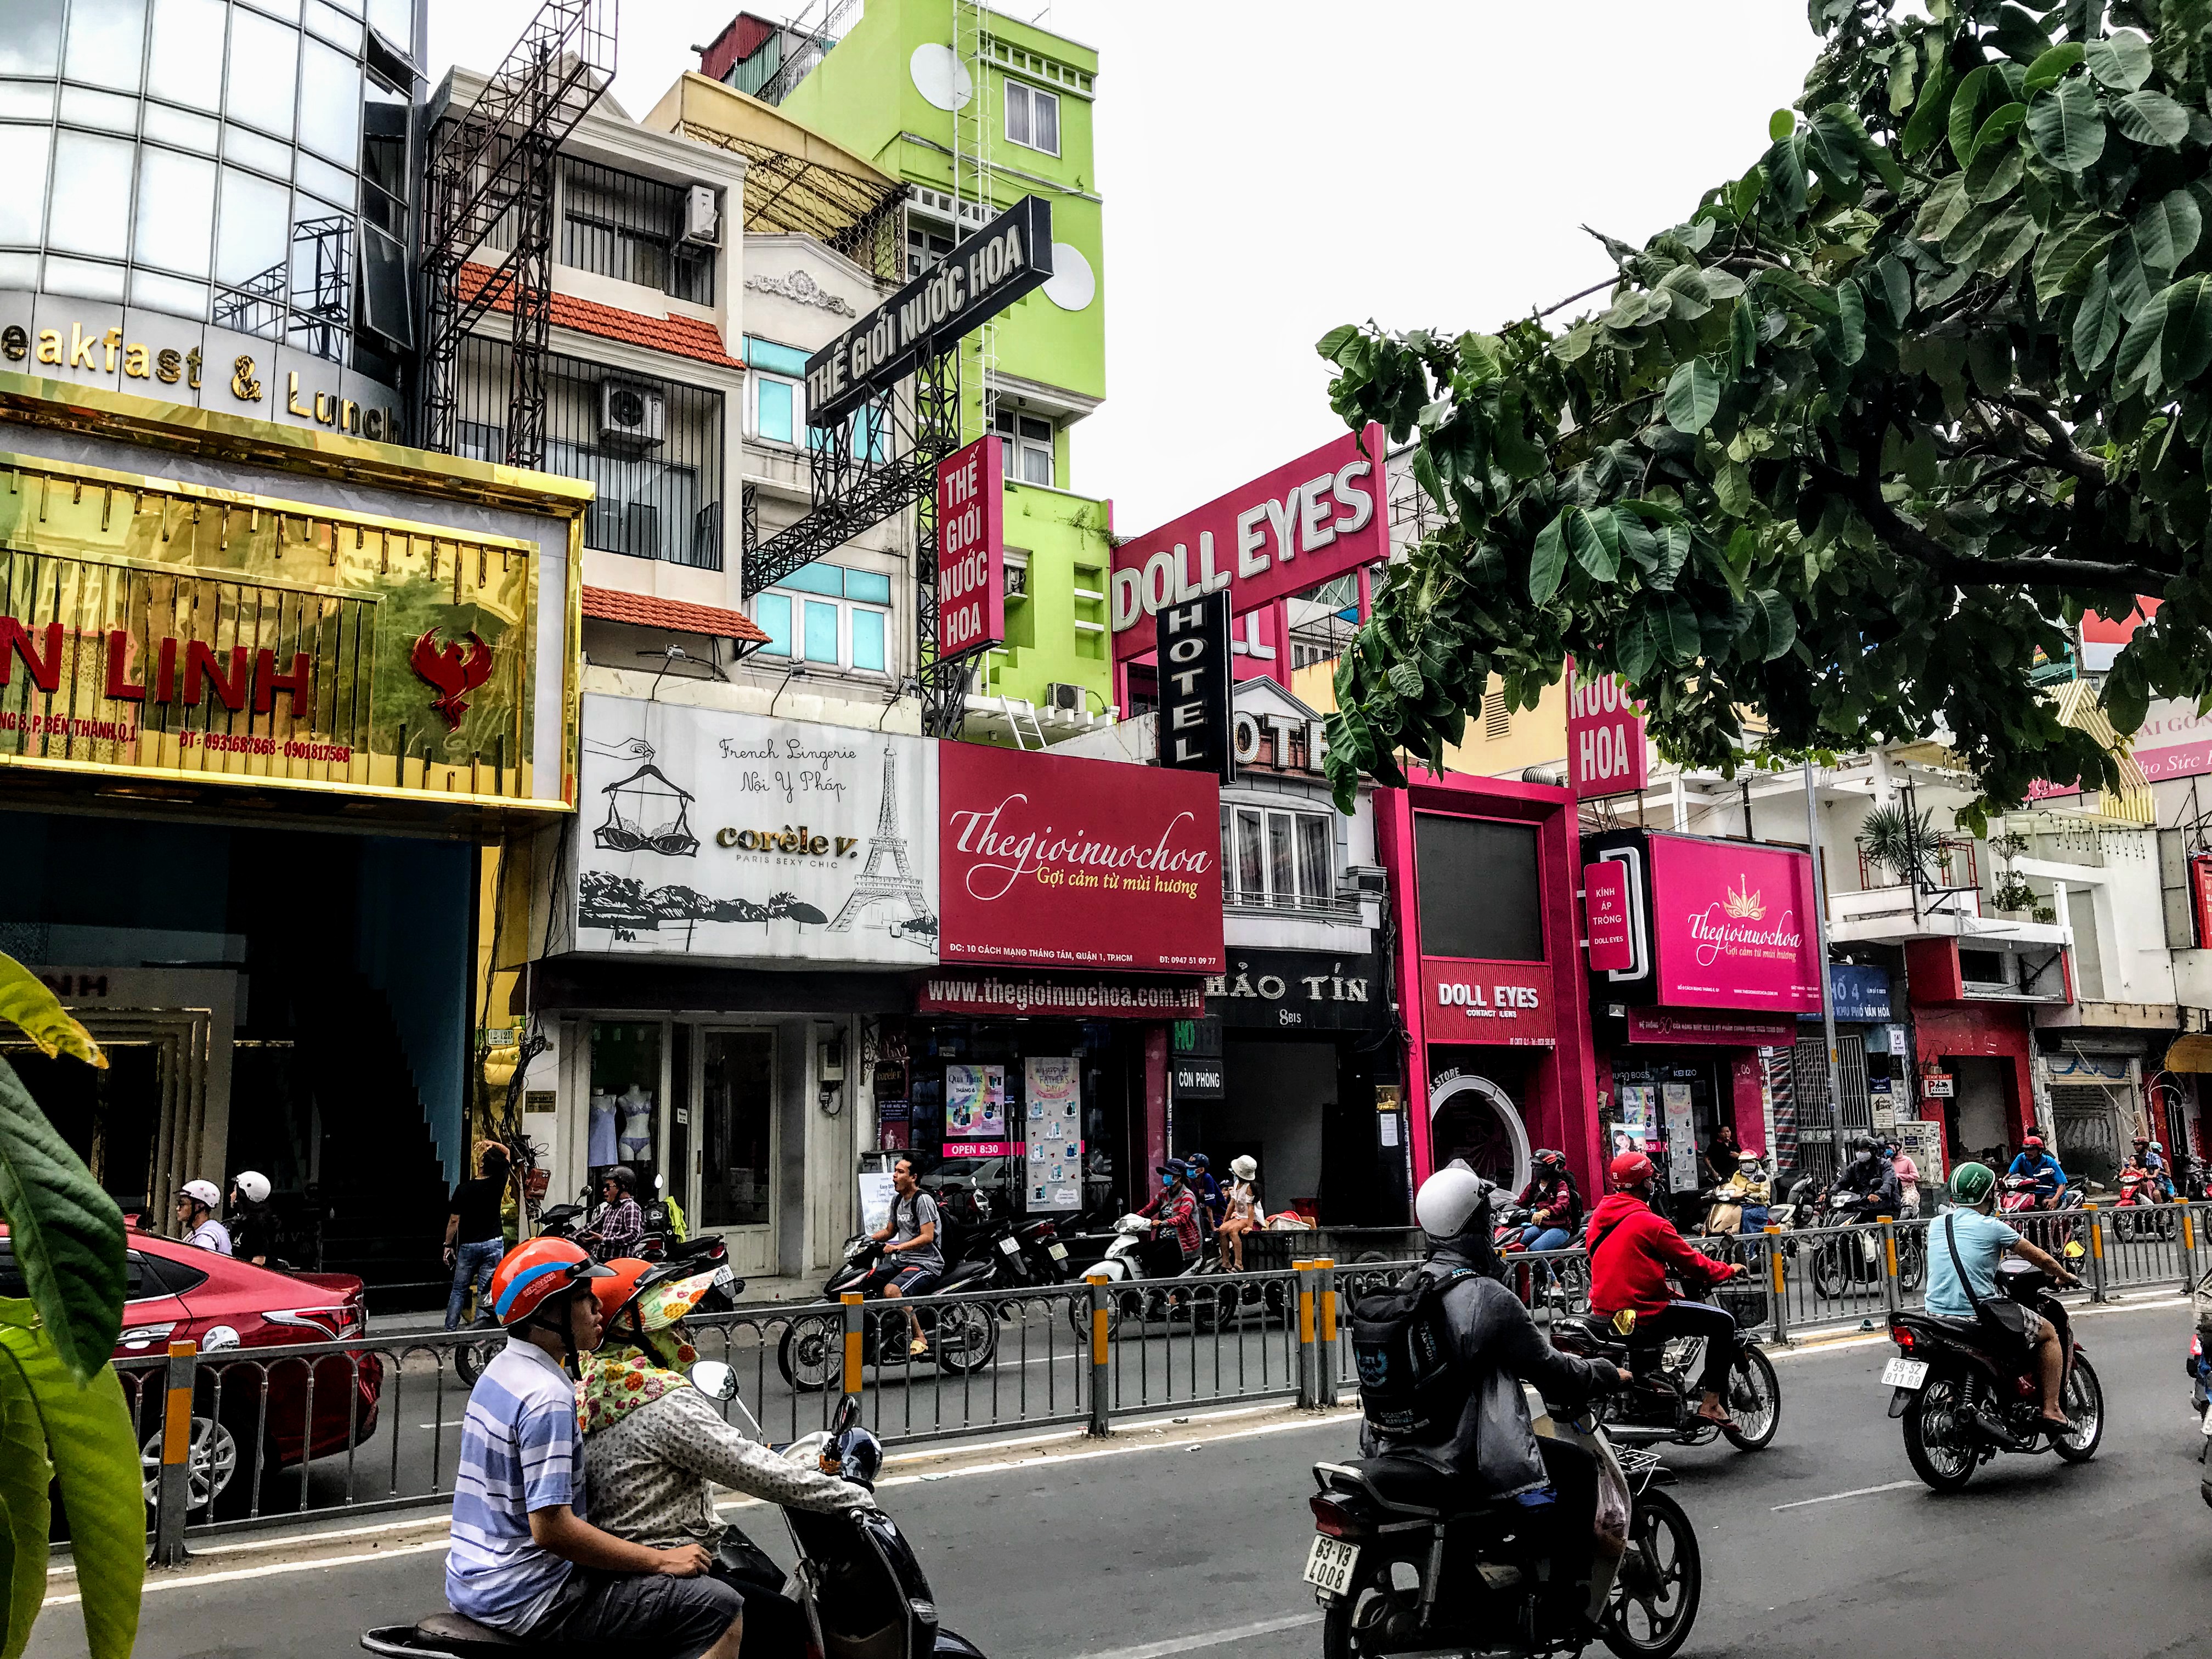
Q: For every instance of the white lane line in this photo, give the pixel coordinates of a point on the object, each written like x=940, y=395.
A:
x=193, y=1581
x=1212, y=1639
x=1856, y=1491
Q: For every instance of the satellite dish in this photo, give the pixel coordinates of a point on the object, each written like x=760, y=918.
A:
x=940, y=77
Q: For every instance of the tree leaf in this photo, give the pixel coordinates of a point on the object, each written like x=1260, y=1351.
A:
x=1781, y=124
x=1849, y=329
x=2151, y=118
x=1680, y=642
x=2167, y=231
x=1997, y=170
x=1966, y=114
x=1946, y=205
x=2065, y=256
x=2006, y=242
x=1595, y=552
x=2046, y=69
x=95, y=1456
x=1406, y=679
x=1335, y=340
x=1784, y=167
x=67, y=1233
x=2138, y=355
x=1931, y=113
x=25, y=1511
x=1693, y=396
x=1687, y=284
x=25, y=1001
x=1778, y=620
x=1743, y=339
x=2132, y=285
x=2066, y=127
x=2186, y=345
x=2122, y=62
x=2097, y=324
x=1640, y=644
x=1547, y=563
x=2002, y=122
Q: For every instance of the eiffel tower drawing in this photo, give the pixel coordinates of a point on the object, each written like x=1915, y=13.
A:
x=873, y=886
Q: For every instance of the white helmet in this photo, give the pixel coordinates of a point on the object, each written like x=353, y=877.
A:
x=202, y=1191
x=1245, y=1167
x=1450, y=1200
x=253, y=1186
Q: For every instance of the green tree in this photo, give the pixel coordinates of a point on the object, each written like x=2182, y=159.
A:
x=1855, y=441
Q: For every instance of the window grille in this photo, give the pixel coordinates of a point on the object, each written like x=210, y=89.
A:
x=619, y=225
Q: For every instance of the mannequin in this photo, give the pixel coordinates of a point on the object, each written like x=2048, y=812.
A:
x=636, y=1125
x=601, y=1149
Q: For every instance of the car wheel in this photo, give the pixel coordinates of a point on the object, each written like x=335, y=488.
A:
x=222, y=1469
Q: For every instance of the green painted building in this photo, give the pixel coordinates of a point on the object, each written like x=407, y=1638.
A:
x=973, y=109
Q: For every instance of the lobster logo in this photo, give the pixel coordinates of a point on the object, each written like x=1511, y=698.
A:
x=455, y=669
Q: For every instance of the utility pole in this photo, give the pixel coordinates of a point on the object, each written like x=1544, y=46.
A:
x=1820, y=934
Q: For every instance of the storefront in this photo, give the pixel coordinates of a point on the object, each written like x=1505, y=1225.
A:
x=1499, y=1059
x=267, y=698
x=1975, y=1067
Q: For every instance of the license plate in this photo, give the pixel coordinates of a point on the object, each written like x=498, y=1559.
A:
x=1904, y=1373
x=1010, y=1246
x=1057, y=1252
x=724, y=1277
x=1329, y=1564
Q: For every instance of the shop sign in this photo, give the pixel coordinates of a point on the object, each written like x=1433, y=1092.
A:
x=1297, y=991
x=712, y=834
x=1048, y=860
x=1606, y=750
x=1687, y=1025
x=1282, y=533
x=971, y=548
x=160, y=629
x=1028, y=996
x=1733, y=921
x=1052, y=1132
x=1195, y=685
x=1937, y=1085
x=981, y=277
x=2200, y=897
x=1612, y=924
x=1507, y=1002
x=1857, y=992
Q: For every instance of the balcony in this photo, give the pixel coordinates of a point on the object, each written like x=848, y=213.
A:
x=1944, y=900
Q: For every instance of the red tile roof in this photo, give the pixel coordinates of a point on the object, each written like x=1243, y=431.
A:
x=685, y=336
x=643, y=610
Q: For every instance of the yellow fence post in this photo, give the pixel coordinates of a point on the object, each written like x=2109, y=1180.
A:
x=1101, y=1384
x=853, y=1330
x=1309, y=1361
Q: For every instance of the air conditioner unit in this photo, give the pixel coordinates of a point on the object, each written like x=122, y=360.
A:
x=702, y=217
x=1364, y=881
x=1059, y=694
x=631, y=413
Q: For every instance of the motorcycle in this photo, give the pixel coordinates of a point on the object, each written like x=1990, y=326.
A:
x=1963, y=1403
x=1124, y=1265
x=961, y=1338
x=1662, y=1404
x=2139, y=1189
x=857, y=1583
x=1399, y=1568
x=2055, y=1227
x=1838, y=1264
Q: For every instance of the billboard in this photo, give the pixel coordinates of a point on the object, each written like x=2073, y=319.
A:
x=1606, y=750
x=971, y=548
x=1735, y=926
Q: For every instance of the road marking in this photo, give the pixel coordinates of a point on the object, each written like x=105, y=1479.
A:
x=1212, y=1639
x=1856, y=1491
x=189, y=1580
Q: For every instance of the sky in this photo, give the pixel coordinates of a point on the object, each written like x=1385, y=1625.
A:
x=1272, y=168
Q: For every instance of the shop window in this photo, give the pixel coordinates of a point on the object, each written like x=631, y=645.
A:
x=625, y=1100
x=1277, y=861
x=1028, y=445
x=737, y=1167
x=1480, y=896
x=1032, y=117
x=830, y=615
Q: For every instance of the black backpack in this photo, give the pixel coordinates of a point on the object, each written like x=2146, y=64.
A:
x=1401, y=1343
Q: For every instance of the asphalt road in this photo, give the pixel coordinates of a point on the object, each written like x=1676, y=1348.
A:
x=1822, y=1545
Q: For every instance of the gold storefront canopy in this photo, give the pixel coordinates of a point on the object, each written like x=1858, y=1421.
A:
x=2192, y=1053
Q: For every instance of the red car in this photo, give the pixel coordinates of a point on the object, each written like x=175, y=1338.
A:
x=177, y=1292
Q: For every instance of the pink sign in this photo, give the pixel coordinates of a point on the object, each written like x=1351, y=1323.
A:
x=1507, y=1002
x=2184, y=760
x=971, y=548
x=980, y=1149
x=1606, y=751
x=1048, y=860
x=1693, y=1025
x=1735, y=926
x=1605, y=903
x=1290, y=530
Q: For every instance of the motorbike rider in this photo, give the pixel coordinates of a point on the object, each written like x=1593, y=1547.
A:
x=195, y=1222
x=1553, y=1202
x=2034, y=1164
x=1491, y=1453
x=1175, y=1239
x=2150, y=1158
x=913, y=1251
x=1206, y=1190
x=1867, y=1187
x=620, y=1224
x=1983, y=1241
x=252, y=1222
x=1749, y=1192
x=1631, y=1251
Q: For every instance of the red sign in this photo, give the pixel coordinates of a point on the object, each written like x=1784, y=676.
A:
x=980, y=1149
x=1284, y=532
x=998, y=995
x=1508, y=1002
x=1735, y=926
x=1606, y=752
x=2200, y=897
x=1612, y=928
x=1694, y=1025
x=971, y=548
x=1046, y=860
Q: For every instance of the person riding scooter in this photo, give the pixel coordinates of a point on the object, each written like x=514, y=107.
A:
x=1980, y=1240
x=1740, y=1203
x=1554, y=1204
x=1867, y=1188
x=2035, y=1164
x=1175, y=1240
x=1632, y=1252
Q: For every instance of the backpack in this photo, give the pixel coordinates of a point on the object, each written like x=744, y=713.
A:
x=1402, y=1346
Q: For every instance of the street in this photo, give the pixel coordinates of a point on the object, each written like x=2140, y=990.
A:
x=1156, y=1543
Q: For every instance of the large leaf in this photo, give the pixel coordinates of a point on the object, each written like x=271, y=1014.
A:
x=1594, y=543
x=1967, y=113
x=2066, y=127
x=2186, y=345
x=1777, y=623
x=2097, y=324
x=67, y=1233
x=95, y=1457
x=1680, y=642
x=1547, y=564
x=2065, y=255
x=1693, y=395
x=2139, y=352
x=2046, y=69
x=2122, y=62
x=2165, y=232
x=25, y=1001
x=2151, y=118
x=24, y=1509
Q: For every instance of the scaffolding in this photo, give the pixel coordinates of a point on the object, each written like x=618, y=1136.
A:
x=973, y=191
x=493, y=167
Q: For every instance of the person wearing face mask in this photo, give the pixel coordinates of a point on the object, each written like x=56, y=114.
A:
x=1174, y=1214
x=1868, y=1187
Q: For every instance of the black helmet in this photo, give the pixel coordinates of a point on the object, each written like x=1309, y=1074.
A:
x=622, y=1175
x=1544, y=1155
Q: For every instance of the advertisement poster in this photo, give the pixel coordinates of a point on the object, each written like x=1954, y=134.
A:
x=876, y=1195
x=1923, y=1142
x=1681, y=1137
x=1053, y=1132
x=975, y=1112
x=971, y=603
x=1637, y=1122
x=1735, y=926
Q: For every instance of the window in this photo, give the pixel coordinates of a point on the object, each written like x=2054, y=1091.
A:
x=1028, y=447
x=1478, y=886
x=925, y=243
x=831, y=615
x=1277, y=861
x=622, y=226
x=1032, y=117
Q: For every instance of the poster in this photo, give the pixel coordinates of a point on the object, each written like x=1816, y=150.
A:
x=1681, y=1138
x=1634, y=1132
x=1053, y=1133
x=1923, y=1142
x=975, y=1112
x=876, y=1195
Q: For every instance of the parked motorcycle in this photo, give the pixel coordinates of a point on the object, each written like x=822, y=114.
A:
x=1662, y=1404
x=1400, y=1566
x=856, y=1582
x=961, y=1338
x=1966, y=1394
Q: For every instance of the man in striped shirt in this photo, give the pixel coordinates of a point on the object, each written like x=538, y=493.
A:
x=523, y=1558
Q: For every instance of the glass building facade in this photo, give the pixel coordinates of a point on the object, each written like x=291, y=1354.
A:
x=242, y=164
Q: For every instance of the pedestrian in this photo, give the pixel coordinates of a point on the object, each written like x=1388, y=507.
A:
x=195, y=1222
x=252, y=1223
x=474, y=1240
x=620, y=1222
x=1242, y=1212
x=1722, y=1155
x=1908, y=1179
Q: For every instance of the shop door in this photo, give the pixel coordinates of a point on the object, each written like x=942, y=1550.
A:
x=736, y=1154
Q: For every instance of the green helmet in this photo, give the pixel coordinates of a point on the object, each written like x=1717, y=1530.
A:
x=1972, y=1183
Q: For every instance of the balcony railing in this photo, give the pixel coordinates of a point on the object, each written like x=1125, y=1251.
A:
x=1946, y=862
x=1333, y=908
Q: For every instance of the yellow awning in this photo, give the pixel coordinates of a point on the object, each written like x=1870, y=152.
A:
x=2192, y=1053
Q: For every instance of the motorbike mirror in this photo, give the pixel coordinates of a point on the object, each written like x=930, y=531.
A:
x=849, y=1414
x=660, y=1183
x=714, y=1380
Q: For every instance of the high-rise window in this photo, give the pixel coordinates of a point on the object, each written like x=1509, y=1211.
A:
x=1028, y=445
x=831, y=615
x=1032, y=117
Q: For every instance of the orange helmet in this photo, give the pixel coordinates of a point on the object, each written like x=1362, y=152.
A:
x=662, y=1292
x=535, y=1270
x=620, y=1284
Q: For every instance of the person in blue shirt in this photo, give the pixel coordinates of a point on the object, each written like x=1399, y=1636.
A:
x=1982, y=1242
x=2039, y=1166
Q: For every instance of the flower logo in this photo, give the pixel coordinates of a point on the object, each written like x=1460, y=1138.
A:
x=1743, y=902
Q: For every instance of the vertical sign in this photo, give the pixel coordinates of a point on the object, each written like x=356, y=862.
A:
x=1606, y=754
x=1195, y=733
x=1611, y=923
x=971, y=548
x=2200, y=898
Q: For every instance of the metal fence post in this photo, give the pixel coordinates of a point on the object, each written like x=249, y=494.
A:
x=1309, y=1362
x=854, y=1334
x=2096, y=1251
x=1888, y=1225
x=173, y=1496
x=1777, y=1278
x=1325, y=1345
x=1101, y=1381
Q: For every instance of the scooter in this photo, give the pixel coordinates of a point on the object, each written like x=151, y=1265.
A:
x=2057, y=1228
x=1856, y=1259
x=2139, y=1189
x=962, y=1337
x=857, y=1584
x=1124, y=1265
x=1662, y=1404
x=706, y=1248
